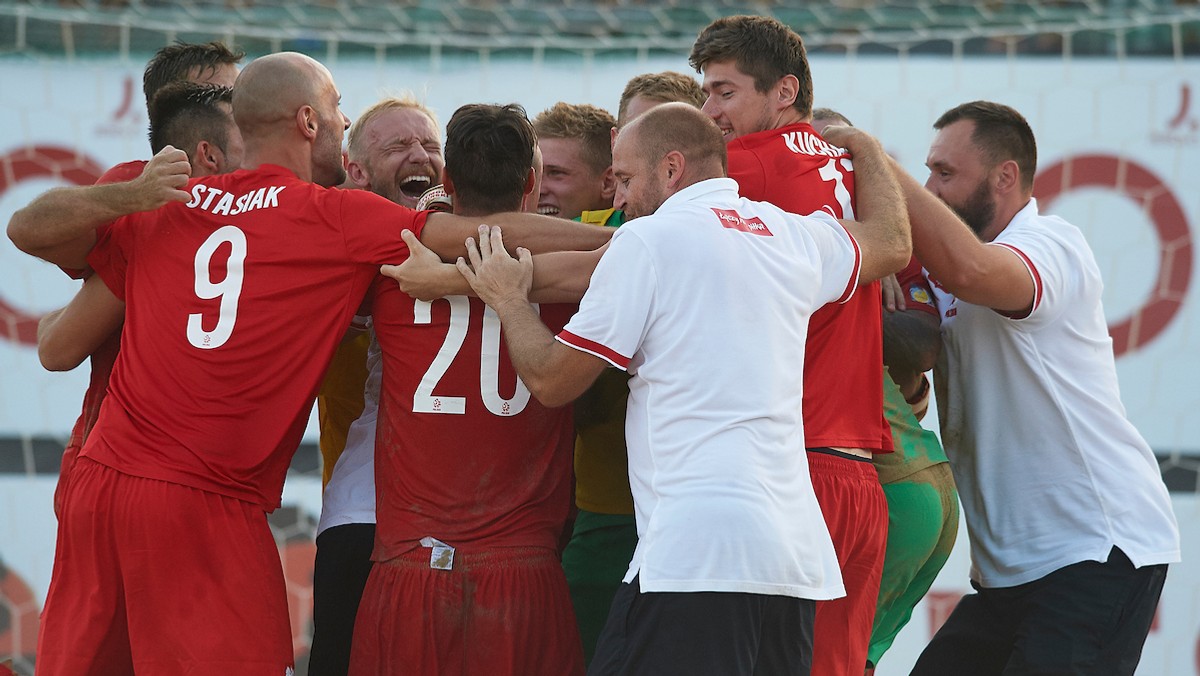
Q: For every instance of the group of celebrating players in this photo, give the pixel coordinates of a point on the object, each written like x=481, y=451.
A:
x=675, y=430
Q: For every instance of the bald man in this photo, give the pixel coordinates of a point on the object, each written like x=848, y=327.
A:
x=237, y=291
x=704, y=299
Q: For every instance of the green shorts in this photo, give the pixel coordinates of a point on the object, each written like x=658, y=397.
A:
x=922, y=526
x=595, y=561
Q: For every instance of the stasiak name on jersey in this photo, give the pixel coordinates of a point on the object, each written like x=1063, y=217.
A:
x=222, y=203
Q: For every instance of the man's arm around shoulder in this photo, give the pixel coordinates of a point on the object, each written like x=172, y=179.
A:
x=977, y=273
x=59, y=226
x=882, y=231
x=554, y=373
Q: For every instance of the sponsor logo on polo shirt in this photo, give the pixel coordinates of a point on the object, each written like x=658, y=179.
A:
x=734, y=221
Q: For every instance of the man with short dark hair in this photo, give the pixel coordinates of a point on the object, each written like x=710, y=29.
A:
x=64, y=346
x=760, y=93
x=210, y=62
x=916, y=479
x=473, y=475
x=197, y=119
x=1070, y=524
x=732, y=546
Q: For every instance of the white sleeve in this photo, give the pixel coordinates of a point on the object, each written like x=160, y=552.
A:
x=839, y=257
x=1058, y=271
x=615, y=312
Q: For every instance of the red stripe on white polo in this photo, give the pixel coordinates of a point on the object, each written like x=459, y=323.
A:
x=591, y=347
x=853, y=283
x=1037, y=282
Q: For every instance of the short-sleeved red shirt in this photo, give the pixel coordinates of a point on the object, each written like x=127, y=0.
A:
x=235, y=302
x=795, y=169
x=464, y=453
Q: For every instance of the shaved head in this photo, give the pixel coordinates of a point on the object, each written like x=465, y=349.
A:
x=290, y=100
x=678, y=127
x=272, y=88
x=663, y=151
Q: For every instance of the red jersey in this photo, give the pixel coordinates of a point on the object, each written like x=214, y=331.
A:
x=463, y=453
x=235, y=302
x=795, y=169
x=103, y=358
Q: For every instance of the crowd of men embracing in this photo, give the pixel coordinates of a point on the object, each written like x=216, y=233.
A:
x=631, y=395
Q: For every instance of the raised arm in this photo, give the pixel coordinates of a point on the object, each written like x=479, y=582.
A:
x=983, y=274
x=60, y=225
x=68, y=336
x=882, y=229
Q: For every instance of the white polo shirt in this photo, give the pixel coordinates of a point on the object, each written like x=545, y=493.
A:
x=706, y=304
x=1049, y=470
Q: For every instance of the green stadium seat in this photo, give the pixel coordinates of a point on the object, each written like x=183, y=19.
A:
x=636, y=21
x=685, y=20
x=801, y=19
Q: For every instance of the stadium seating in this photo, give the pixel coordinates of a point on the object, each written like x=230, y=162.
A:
x=661, y=24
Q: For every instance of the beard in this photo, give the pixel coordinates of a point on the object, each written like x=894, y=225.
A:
x=978, y=210
x=328, y=168
x=648, y=201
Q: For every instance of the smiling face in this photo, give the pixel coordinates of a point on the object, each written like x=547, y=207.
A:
x=641, y=185
x=733, y=102
x=402, y=155
x=570, y=185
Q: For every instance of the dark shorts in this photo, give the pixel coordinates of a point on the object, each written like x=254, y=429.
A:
x=1086, y=618
x=339, y=574
x=727, y=633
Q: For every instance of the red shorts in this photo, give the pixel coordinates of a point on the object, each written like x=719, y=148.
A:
x=855, y=510
x=159, y=578
x=506, y=612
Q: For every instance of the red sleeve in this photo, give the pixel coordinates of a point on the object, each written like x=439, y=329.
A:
x=107, y=257
x=126, y=171
x=371, y=225
x=917, y=293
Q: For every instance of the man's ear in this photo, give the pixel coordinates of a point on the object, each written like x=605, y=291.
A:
x=207, y=159
x=674, y=163
x=530, y=182
x=1007, y=177
x=447, y=184
x=307, y=122
x=608, y=184
x=786, y=91
x=358, y=175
